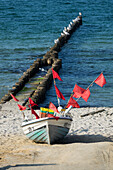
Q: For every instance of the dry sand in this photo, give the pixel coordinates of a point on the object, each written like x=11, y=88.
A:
x=88, y=146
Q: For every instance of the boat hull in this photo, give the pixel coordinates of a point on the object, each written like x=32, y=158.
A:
x=47, y=130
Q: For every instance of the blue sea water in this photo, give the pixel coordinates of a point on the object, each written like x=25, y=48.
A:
x=28, y=29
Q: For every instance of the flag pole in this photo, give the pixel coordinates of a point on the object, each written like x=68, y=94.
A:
x=69, y=98
x=90, y=85
x=93, y=81
x=31, y=112
x=56, y=94
x=21, y=109
x=23, y=115
x=70, y=107
x=86, y=89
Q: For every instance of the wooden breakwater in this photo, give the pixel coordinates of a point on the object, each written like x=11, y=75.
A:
x=49, y=59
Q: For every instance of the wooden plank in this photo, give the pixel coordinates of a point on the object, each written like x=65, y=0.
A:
x=92, y=113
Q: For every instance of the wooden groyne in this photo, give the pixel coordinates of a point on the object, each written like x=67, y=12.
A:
x=49, y=59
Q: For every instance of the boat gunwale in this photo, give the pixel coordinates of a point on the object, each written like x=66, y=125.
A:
x=44, y=119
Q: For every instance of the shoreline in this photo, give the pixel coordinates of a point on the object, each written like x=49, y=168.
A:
x=87, y=146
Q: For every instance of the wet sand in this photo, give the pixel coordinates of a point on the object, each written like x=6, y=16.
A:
x=88, y=146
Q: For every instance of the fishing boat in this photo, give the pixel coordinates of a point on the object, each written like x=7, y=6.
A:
x=47, y=130
x=52, y=124
x=49, y=126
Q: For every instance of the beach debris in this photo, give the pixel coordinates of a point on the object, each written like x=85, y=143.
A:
x=92, y=113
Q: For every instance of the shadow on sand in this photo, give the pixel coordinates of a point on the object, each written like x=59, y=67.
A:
x=24, y=165
x=71, y=138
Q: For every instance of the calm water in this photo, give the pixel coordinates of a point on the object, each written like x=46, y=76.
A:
x=28, y=30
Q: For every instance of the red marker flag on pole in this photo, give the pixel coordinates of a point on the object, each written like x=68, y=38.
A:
x=86, y=95
x=78, y=91
x=100, y=80
x=73, y=103
x=53, y=107
x=31, y=102
x=14, y=98
x=55, y=75
x=59, y=94
x=21, y=107
x=34, y=113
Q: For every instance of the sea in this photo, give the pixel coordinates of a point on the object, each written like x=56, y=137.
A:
x=28, y=29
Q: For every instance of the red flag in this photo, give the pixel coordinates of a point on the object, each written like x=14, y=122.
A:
x=86, y=95
x=21, y=107
x=14, y=98
x=31, y=102
x=55, y=75
x=100, y=80
x=34, y=113
x=50, y=115
x=59, y=94
x=73, y=103
x=78, y=91
x=53, y=107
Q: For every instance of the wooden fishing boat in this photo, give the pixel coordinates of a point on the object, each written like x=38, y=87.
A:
x=52, y=124
x=47, y=130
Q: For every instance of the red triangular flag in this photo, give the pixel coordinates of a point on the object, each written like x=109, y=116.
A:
x=55, y=75
x=50, y=115
x=86, y=95
x=34, y=113
x=100, y=80
x=78, y=91
x=14, y=98
x=31, y=102
x=59, y=94
x=73, y=103
x=53, y=107
x=21, y=107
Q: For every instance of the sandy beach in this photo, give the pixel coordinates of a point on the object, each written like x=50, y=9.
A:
x=88, y=146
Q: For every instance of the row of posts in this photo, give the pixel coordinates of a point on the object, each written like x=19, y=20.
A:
x=51, y=59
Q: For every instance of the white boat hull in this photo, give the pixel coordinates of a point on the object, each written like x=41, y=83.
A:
x=47, y=130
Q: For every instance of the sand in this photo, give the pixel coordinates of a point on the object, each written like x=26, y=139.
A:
x=88, y=146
